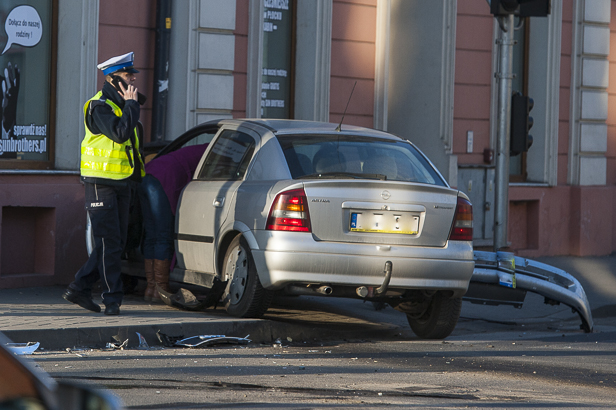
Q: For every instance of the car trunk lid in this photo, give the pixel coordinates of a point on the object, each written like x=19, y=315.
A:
x=380, y=212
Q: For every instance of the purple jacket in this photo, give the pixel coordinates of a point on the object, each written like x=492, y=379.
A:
x=175, y=170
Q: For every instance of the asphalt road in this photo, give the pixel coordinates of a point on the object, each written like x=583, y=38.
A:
x=497, y=357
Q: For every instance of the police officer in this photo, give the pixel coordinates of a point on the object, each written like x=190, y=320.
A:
x=111, y=166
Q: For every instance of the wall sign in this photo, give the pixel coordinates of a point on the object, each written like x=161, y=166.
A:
x=276, y=80
x=25, y=79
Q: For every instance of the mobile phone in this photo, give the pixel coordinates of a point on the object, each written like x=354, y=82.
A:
x=116, y=81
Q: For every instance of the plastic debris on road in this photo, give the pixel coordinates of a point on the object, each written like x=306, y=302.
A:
x=200, y=341
x=119, y=345
x=142, y=342
x=23, y=348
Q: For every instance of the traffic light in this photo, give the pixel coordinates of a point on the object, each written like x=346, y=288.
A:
x=503, y=7
x=521, y=8
x=521, y=123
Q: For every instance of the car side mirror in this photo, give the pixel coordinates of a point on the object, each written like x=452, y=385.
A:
x=71, y=396
x=23, y=386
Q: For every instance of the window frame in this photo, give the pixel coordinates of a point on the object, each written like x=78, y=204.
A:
x=243, y=163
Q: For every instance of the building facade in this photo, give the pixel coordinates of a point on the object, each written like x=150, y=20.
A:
x=422, y=70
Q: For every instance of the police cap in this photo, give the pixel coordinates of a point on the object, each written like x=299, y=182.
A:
x=119, y=63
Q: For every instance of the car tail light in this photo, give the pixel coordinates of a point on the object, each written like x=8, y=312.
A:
x=462, y=228
x=289, y=212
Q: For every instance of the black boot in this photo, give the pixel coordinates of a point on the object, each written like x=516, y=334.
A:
x=81, y=300
x=112, y=309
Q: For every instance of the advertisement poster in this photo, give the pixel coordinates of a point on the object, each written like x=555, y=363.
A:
x=277, y=53
x=25, y=71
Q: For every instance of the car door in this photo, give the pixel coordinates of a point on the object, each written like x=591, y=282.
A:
x=206, y=201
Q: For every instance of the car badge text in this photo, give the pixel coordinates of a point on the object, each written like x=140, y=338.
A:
x=320, y=200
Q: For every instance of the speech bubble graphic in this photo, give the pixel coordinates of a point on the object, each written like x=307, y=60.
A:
x=23, y=26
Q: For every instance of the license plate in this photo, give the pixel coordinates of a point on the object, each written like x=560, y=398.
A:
x=384, y=222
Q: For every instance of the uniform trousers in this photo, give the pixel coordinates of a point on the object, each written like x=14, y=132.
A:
x=108, y=208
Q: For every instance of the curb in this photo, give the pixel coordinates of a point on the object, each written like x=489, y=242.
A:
x=258, y=331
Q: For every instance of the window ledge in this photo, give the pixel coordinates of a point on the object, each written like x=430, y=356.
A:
x=37, y=172
x=529, y=184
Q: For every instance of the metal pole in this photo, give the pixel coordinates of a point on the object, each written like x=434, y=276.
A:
x=504, y=75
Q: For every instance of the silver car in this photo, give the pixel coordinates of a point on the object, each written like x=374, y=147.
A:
x=308, y=208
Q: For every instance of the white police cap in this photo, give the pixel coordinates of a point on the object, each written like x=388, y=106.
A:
x=118, y=63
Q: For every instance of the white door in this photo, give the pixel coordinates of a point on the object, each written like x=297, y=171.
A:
x=205, y=202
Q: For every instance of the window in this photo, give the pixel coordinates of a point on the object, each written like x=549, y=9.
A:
x=356, y=157
x=26, y=75
x=229, y=157
x=278, y=57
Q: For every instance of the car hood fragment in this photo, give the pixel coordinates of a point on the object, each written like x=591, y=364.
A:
x=200, y=341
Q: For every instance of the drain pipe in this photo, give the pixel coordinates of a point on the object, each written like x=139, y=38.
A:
x=161, y=70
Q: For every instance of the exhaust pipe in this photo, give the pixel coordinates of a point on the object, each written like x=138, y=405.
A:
x=307, y=290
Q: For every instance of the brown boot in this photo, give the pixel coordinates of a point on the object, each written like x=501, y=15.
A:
x=161, y=276
x=150, y=290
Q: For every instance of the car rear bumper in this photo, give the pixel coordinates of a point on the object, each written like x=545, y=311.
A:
x=284, y=258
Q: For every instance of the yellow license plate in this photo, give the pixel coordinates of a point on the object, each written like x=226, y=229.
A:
x=384, y=222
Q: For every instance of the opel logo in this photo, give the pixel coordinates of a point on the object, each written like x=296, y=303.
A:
x=385, y=195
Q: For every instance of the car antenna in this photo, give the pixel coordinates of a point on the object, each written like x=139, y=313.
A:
x=339, y=127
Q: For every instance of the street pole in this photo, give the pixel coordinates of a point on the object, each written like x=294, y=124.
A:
x=504, y=75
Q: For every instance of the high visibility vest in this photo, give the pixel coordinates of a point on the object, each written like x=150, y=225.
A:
x=101, y=157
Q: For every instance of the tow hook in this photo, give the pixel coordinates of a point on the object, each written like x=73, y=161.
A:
x=380, y=291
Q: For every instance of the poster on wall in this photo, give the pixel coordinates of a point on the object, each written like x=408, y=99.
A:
x=25, y=79
x=277, y=59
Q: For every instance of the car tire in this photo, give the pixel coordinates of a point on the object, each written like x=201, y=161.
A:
x=244, y=295
x=439, y=319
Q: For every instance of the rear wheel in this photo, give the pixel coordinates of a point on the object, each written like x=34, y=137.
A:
x=244, y=295
x=439, y=319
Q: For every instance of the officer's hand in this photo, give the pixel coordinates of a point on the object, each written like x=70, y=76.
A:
x=129, y=93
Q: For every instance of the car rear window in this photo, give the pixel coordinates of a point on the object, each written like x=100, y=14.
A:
x=323, y=156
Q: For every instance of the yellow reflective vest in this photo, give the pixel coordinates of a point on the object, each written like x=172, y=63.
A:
x=101, y=157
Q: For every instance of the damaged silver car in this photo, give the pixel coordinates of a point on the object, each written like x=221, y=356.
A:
x=308, y=208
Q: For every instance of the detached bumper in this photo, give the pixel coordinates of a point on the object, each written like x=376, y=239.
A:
x=502, y=269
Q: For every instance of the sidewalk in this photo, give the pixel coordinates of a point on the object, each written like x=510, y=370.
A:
x=41, y=315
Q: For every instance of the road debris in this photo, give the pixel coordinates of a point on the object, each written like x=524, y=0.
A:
x=143, y=345
x=118, y=345
x=200, y=341
x=23, y=348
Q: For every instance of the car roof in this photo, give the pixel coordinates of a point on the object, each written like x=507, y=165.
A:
x=282, y=127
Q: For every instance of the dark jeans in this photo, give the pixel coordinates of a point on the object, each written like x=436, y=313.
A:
x=158, y=220
x=108, y=207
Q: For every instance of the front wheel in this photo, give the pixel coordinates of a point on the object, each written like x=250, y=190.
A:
x=244, y=295
x=439, y=319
